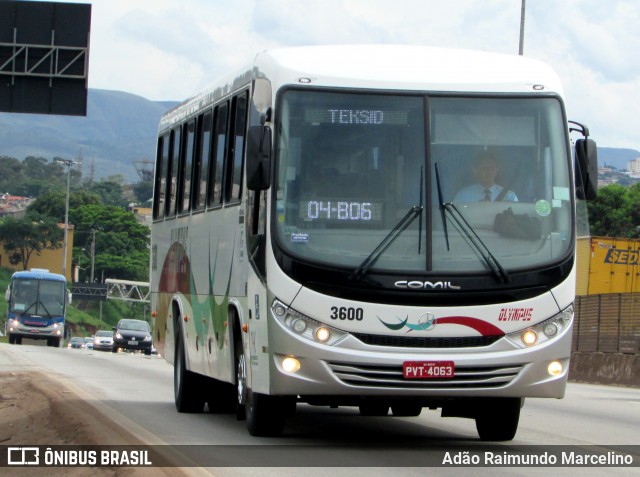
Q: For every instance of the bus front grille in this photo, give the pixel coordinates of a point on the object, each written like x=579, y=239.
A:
x=427, y=342
x=466, y=377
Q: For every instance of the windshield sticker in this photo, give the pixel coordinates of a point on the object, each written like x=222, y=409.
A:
x=543, y=208
x=561, y=193
x=19, y=306
x=299, y=237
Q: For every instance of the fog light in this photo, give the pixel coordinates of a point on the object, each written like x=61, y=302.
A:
x=323, y=334
x=529, y=337
x=290, y=365
x=555, y=368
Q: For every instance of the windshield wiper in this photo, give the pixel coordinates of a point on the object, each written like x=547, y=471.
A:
x=410, y=216
x=443, y=207
x=29, y=307
x=368, y=262
x=472, y=237
x=45, y=309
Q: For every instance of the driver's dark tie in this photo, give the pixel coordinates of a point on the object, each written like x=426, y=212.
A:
x=487, y=195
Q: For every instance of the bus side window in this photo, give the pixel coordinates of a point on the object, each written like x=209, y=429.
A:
x=186, y=167
x=173, y=177
x=201, y=164
x=161, y=177
x=236, y=152
x=218, y=154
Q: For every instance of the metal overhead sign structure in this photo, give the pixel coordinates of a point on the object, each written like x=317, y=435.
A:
x=44, y=57
x=112, y=289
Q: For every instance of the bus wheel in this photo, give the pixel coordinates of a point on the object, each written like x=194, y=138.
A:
x=406, y=409
x=373, y=408
x=187, y=393
x=12, y=339
x=241, y=380
x=499, y=420
x=265, y=414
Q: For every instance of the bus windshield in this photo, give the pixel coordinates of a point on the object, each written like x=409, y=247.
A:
x=484, y=175
x=37, y=297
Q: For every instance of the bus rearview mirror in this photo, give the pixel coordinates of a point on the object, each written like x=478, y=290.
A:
x=586, y=169
x=259, y=158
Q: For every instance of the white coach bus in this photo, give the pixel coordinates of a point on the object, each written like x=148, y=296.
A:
x=315, y=240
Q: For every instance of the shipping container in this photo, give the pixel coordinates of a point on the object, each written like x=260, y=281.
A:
x=608, y=265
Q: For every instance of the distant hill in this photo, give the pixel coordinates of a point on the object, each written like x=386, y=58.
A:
x=119, y=128
x=618, y=158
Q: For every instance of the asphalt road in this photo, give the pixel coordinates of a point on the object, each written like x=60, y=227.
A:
x=137, y=391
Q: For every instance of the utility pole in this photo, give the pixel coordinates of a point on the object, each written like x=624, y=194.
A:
x=66, y=163
x=521, y=48
x=93, y=252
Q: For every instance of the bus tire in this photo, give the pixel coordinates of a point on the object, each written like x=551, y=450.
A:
x=265, y=414
x=498, y=421
x=12, y=339
x=188, y=395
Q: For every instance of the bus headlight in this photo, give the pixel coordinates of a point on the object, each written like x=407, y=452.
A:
x=542, y=332
x=304, y=326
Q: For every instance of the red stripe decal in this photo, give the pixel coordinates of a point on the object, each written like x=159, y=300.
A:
x=482, y=327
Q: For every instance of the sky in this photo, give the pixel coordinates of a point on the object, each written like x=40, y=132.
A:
x=171, y=49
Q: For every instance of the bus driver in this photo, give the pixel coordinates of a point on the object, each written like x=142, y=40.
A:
x=485, y=171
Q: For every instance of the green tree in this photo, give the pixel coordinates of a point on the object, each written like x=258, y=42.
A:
x=121, y=242
x=52, y=203
x=31, y=234
x=615, y=212
x=110, y=190
x=11, y=175
x=143, y=191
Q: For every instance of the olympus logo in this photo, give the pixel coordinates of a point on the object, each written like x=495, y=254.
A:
x=418, y=285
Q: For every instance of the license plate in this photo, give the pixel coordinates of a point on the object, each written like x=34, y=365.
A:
x=428, y=369
x=133, y=343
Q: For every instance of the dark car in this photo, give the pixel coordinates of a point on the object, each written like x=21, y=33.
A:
x=132, y=335
x=76, y=342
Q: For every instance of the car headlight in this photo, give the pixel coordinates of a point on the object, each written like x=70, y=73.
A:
x=306, y=327
x=118, y=336
x=147, y=338
x=542, y=332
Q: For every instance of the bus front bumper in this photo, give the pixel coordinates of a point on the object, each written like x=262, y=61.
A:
x=352, y=368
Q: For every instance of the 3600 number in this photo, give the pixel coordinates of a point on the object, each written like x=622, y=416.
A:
x=346, y=313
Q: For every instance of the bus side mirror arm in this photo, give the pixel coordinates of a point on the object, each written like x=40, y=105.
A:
x=259, y=158
x=7, y=294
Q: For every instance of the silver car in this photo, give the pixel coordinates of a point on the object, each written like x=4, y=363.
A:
x=103, y=340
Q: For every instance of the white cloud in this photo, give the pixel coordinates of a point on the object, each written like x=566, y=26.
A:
x=163, y=49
